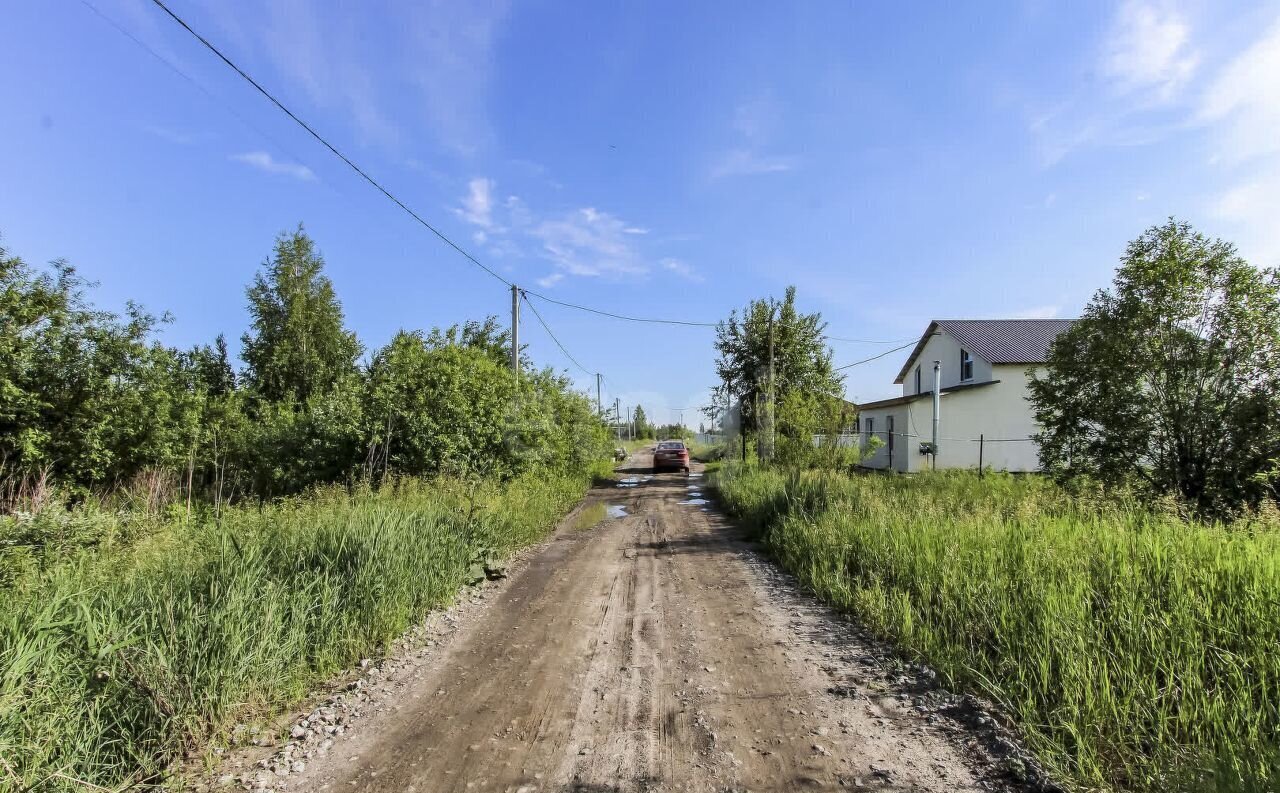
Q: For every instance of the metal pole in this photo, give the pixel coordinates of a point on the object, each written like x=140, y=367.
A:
x=981, y=443
x=515, y=330
x=772, y=393
x=599, y=404
x=937, y=408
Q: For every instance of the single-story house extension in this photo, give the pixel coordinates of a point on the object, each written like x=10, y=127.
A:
x=984, y=367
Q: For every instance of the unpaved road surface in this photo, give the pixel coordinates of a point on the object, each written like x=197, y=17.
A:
x=658, y=651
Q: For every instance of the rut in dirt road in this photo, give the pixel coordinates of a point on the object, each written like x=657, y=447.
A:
x=654, y=651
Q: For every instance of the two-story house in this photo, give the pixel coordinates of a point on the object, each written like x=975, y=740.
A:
x=985, y=417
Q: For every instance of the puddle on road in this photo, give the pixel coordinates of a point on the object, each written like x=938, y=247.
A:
x=617, y=511
x=695, y=502
x=630, y=481
x=589, y=516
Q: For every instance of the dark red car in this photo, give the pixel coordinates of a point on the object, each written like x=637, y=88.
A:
x=671, y=454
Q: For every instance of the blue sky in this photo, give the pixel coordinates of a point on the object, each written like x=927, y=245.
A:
x=663, y=159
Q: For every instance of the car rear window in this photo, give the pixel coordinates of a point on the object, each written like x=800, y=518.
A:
x=671, y=445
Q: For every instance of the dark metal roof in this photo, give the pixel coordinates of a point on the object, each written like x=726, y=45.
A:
x=902, y=400
x=996, y=340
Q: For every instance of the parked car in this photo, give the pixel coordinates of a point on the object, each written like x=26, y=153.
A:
x=671, y=454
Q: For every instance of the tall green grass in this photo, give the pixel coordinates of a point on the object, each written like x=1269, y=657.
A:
x=114, y=663
x=1137, y=650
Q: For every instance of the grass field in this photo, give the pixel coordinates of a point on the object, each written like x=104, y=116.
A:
x=1137, y=651
x=119, y=658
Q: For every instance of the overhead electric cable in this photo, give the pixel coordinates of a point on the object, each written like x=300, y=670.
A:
x=547, y=328
x=326, y=143
x=874, y=357
x=623, y=316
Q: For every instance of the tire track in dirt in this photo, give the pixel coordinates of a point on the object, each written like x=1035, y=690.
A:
x=653, y=652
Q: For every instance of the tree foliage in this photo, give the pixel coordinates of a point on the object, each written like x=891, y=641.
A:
x=1170, y=379
x=298, y=345
x=92, y=402
x=641, y=421
x=804, y=390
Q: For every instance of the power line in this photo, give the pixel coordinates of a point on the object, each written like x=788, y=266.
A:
x=622, y=316
x=547, y=328
x=874, y=357
x=868, y=341
x=326, y=143
x=174, y=68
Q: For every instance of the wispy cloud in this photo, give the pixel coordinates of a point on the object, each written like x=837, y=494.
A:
x=452, y=65
x=1146, y=61
x=1149, y=50
x=584, y=243
x=745, y=162
x=477, y=205
x=1242, y=107
x=268, y=164
x=329, y=62
x=754, y=123
x=682, y=269
x=589, y=242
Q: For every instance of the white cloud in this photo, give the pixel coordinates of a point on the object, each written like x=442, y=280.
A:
x=745, y=162
x=452, y=62
x=268, y=164
x=683, y=270
x=585, y=242
x=1149, y=50
x=477, y=206
x=329, y=63
x=1245, y=99
x=1242, y=107
x=588, y=242
x=754, y=123
x=1252, y=208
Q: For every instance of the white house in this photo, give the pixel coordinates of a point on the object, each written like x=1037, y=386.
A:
x=985, y=365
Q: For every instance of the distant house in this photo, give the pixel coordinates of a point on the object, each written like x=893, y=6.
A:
x=984, y=364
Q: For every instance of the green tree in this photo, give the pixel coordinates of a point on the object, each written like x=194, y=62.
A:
x=298, y=345
x=1169, y=380
x=801, y=374
x=643, y=428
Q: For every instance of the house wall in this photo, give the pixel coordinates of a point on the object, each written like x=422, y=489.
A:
x=1000, y=412
x=884, y=457
x=942, y=347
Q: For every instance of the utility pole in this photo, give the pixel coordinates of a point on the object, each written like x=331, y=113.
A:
x=617, y=415
x=515, y=331
x=599, y=404
x=772, y=394
x=937, y=408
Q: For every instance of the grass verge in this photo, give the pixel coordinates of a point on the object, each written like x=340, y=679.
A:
x=113, y=664
x=1136, y=650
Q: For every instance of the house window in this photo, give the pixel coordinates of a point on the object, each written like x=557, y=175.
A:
x=966, y=366
x=871, y=427
x=917, y=378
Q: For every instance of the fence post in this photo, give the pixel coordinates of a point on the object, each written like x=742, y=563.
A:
x=981, y=443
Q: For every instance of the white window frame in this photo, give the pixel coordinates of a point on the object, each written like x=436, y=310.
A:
x=965, y=360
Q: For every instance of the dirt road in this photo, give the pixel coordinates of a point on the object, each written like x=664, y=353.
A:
x=653, y=651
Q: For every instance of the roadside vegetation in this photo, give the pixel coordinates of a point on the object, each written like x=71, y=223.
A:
x=184, y=546
x=1135, y=649
x=1125, y=607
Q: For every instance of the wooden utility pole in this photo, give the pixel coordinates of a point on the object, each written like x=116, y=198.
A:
x=772, y=393
x=515, y=331
x=599, y=404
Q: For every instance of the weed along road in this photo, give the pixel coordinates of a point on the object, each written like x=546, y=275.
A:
x=647, y=646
